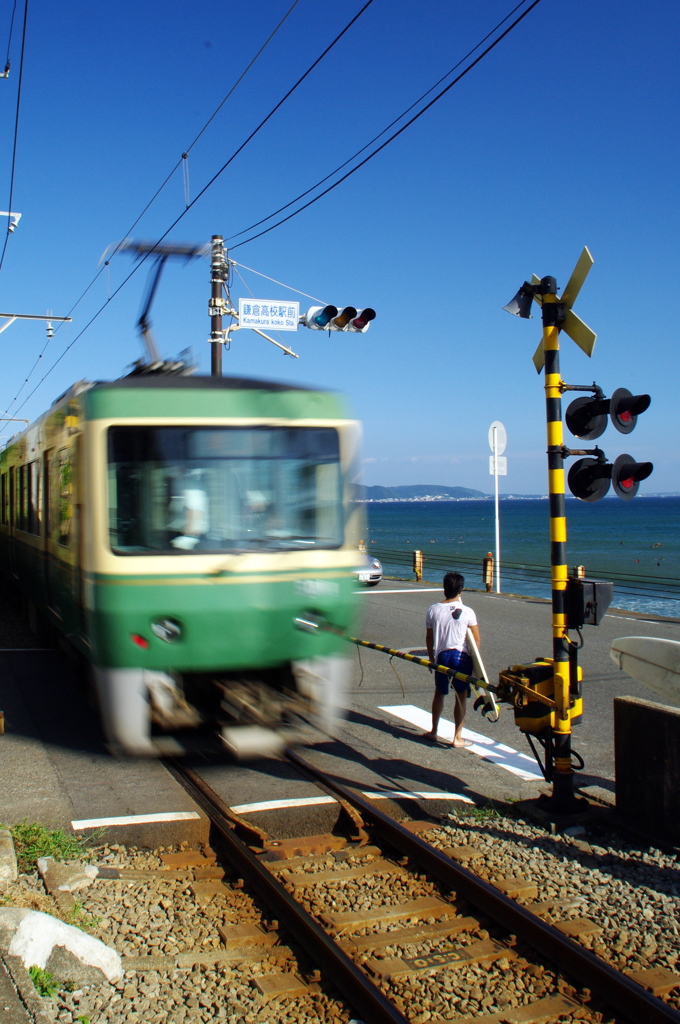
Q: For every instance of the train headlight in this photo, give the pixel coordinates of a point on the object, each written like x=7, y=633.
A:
x=168, y=630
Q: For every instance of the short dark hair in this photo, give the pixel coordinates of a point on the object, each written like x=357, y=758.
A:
x=453, y=584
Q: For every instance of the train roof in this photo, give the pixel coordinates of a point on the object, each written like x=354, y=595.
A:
x=159, y=396
x=193, y=382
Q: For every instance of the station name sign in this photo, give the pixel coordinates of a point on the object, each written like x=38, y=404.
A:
x=268, y=313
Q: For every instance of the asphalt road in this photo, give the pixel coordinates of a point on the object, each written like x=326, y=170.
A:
x=56, y=768
x=513, y=631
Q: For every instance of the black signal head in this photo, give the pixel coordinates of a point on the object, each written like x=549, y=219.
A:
x=624, y=409
x=589, y=479
x=587, y=417
x=627, y=474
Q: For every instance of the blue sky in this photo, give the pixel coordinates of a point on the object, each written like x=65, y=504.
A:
x=565, y=135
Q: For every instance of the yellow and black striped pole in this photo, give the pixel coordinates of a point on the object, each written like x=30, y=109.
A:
x=563, y=778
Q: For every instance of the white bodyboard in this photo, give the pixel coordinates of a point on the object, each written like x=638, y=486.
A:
x=652, y=661
x=479, y=672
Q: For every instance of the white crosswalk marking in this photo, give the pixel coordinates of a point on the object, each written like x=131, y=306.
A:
x=506, y=757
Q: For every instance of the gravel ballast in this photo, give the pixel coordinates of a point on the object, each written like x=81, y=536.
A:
x=631, y=891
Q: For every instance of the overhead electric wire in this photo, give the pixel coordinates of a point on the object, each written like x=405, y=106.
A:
x=205, y=188
x=396, y=134
x=156, y=193
x=16, y=133
x=383, y=132
x=11, y=30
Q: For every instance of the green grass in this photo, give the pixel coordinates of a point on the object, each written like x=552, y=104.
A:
x=45, y=983
x=79, y=917
x=32, y=841
x=482, y=815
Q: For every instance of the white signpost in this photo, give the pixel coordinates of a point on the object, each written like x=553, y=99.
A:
x=498, y=466
x=269, y=314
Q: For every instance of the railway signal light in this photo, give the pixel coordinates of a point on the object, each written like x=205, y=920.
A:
x=587, y=417
x=627, y=474
x=625, y=409
x=329, y=318
x=589, y=479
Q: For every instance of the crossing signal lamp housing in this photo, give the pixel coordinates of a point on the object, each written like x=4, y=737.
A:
x=590, y=478
x=627, y=474
x=587, y=417
x=330, y=318
x=625, y=408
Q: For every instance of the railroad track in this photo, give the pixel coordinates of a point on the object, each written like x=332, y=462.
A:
x=409, y=946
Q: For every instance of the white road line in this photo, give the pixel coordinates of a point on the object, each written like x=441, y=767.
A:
x=418, y=794
x=371, y=794
x=278, y=805
x=414, y=590
x=134, y=819
x=506, y=757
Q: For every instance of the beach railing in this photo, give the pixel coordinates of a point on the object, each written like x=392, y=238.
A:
x=520, y=577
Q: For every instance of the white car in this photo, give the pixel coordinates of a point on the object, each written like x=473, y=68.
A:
x=369, y=572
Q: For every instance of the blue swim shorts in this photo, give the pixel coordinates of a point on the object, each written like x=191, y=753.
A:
x=458, y=660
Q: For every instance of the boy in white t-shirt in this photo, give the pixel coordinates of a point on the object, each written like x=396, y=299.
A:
x=446, y=625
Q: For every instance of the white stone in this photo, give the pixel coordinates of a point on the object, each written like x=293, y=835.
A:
x=32, y=936
x=575, y=830
x=8, y=859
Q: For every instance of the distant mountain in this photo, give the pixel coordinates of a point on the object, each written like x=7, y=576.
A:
x=410, y=492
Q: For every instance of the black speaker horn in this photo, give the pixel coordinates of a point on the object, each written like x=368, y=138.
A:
x=520, y=305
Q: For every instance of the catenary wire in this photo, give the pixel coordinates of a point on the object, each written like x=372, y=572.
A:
x=205, y=188
x=153, y=198
x=397, y=133
x=16, y=133
x=375, y=138
x=11, y=29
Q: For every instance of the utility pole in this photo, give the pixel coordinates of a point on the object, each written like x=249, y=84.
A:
x=217, y=305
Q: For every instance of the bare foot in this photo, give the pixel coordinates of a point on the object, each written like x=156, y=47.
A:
x=462, y=743
x=429, y=735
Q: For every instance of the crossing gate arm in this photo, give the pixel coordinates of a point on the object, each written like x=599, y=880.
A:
x=311, y=625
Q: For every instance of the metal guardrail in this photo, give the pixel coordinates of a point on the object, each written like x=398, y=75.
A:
x=645, y=586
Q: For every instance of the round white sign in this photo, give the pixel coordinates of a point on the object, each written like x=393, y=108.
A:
x=497, y=437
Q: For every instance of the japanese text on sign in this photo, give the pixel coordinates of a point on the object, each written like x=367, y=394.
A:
x=260, y=313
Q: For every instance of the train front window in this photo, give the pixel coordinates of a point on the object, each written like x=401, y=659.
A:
x=174, y=490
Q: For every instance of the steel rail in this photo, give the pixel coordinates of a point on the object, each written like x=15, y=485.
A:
x=341, y=971
x=625, y=995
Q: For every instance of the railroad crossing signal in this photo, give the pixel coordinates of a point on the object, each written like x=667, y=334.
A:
x=330, y=318
x=567, y=320
x=587, y=417
x=590, y=477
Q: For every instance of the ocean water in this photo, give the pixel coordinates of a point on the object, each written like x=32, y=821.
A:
x=636, y=544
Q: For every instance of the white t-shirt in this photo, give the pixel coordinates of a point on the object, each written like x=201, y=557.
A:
x=449, y=634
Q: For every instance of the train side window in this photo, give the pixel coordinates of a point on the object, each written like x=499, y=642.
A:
x=34, y=497
x=65, y=496
x=5, y=500
x=22, y=498
x=46, y=502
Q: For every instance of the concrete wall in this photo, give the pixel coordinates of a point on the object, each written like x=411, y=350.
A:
x=647, y=762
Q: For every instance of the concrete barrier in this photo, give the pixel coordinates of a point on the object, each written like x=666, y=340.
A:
x=647, y=765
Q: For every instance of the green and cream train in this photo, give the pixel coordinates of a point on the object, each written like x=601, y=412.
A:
x=173, y=529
